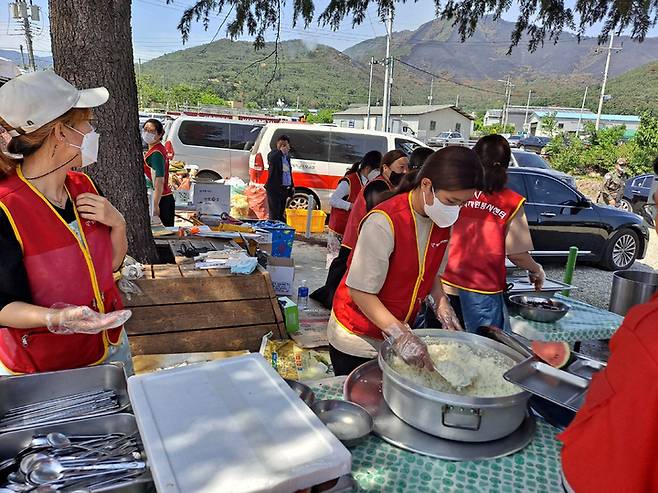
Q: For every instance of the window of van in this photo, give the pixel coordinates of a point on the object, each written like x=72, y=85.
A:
x=406, y=146
x=348, y=148
x=304, y=144
x=204, y=134
x=243, y=136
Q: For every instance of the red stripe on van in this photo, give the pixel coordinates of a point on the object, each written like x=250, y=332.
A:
x=306, y=180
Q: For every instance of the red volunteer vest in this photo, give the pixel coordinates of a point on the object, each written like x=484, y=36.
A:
x=612, y=444
x=476, y=259
x=60, y=269
x=409, y=279
x=338, y=217
x=166, y=189
x=357, y=214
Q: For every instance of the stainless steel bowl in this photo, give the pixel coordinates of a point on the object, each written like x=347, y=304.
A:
x=348, y=421
x=303, y=391
x=521, y=304
x=453, y=416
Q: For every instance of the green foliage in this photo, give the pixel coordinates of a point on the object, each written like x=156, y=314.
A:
x=604, y=147
x=496, y=128
x=323, y=116
x=151, y=94
x=549, y=124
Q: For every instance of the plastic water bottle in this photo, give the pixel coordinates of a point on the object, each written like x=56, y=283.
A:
x=302, y=296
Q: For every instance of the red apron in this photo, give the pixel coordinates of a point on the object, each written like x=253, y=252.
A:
x=476, y=260
x=60, y=269
x=338, y=218
x=409, y=279
x=612, y=444
x=357, y=213
x=166, y=189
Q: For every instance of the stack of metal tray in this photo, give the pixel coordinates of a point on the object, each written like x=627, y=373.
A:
x=23, y=390
x=522, y=285
x=566, y=388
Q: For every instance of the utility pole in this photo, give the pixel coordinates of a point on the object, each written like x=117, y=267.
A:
x=457, y=101
x=527, y=110
x=25, y=14
x=372, y=64
x=508, y=94
x=605, y=78
x=23, y=58
x=582, y=108
x=430, y=98
x=388, y=75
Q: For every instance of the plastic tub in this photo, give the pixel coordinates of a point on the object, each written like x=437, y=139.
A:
x=296, y=218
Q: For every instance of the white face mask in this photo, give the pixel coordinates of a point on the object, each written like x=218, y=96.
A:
x=373, y=174
x=88, y=147
x=442, y=215
x=148, y=137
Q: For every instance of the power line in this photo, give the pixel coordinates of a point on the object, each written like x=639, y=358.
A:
x=447, y=79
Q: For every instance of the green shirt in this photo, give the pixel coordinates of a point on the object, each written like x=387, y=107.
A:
x=157, y=163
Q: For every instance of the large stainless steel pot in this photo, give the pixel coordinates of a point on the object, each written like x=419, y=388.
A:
x=452, y=416
x=630, y=288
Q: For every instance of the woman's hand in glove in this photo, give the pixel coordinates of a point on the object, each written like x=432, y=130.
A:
x=409, y=346
x=446, y=315
x=537, y=277
x=68, y=319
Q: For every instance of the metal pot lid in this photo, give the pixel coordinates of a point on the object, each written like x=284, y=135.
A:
x=364, y=387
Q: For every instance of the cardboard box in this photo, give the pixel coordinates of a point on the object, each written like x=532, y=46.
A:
x=212, y=198
x=282, y=272
x=290, y=314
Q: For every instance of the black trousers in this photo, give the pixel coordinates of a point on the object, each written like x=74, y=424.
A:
x=167, y=210
x=337, y=269
x=276, y=202
x=344, y=363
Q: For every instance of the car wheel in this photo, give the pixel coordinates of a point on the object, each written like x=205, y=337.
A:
x=625, y=205
x=300, y=201
x=207, y=175
x=622, y=250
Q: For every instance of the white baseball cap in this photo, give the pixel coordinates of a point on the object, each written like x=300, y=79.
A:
x=30, y=101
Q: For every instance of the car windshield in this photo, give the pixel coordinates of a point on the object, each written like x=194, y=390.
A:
x=515, y=137
x=530, y=160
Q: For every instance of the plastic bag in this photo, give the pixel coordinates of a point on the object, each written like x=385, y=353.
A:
x=257, y=199
x=292, y=362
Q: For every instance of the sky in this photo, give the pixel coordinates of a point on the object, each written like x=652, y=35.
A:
x=154, y=27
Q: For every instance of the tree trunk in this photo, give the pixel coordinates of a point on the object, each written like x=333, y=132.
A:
x=92, y=46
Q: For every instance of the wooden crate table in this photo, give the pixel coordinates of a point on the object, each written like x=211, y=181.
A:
x=183, y=310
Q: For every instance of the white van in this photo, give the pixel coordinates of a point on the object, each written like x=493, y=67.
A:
x=320, y=155
x=219, y=147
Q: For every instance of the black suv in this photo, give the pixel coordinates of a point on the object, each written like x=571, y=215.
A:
x=560, y=217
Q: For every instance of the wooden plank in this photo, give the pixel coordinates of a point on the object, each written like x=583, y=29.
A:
x=227, y=339
x=166, y=271
x=199, y=290
x=195, y=316
x=188, y=270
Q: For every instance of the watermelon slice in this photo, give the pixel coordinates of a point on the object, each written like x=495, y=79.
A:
x=556, y=354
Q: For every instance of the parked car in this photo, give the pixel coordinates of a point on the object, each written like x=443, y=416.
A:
x=560, y=217
x=514, y=140
x=320, y=156
x=533, y=143
x=219, y=147
x=635, y=196
x=526, y=159
x=446, y=138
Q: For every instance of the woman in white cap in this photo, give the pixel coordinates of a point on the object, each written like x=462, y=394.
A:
x=60, y=239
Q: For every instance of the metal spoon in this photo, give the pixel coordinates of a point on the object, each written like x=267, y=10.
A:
x=47, y=470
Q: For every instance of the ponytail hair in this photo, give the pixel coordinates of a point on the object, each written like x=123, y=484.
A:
x=451, y=168
x=370, y=159
x=495, y=154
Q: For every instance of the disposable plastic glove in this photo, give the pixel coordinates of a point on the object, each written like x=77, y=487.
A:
x=409, y=346
x=537, y=278
x=69, y=319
